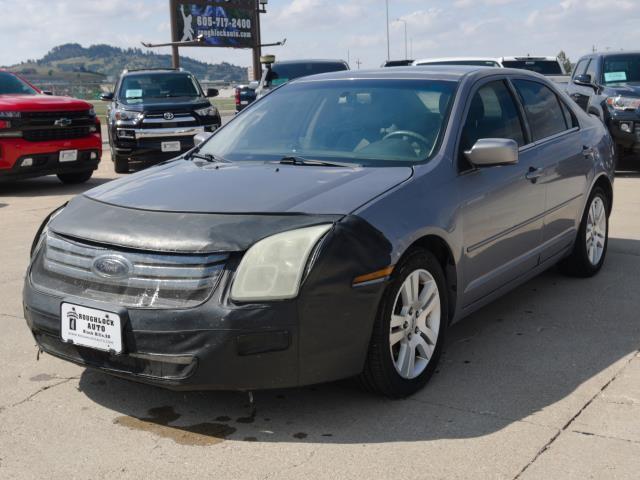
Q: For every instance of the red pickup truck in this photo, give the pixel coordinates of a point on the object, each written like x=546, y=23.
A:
x=45, y=135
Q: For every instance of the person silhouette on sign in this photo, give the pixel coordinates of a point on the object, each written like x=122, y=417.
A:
x=188, y=32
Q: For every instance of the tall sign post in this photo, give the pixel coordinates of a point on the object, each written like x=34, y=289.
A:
x=216, y=23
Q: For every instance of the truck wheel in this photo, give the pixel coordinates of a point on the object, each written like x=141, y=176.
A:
x=74, y=178
x=120, y=163
x=408, y=333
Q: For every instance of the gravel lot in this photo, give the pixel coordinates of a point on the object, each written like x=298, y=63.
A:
x=544, y=383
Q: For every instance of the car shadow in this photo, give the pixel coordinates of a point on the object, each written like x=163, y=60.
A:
x=516, y=359
x=48, y=186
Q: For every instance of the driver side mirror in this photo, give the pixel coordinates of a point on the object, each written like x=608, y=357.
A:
x=493, y=151
x=106, y=97
x=212, y=92
x=583, y=79
x=47, y=92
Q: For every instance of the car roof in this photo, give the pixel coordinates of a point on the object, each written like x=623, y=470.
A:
x=458, y=59
x=155, y=71
x=530, y=57
x=311, y=60
x=454, y=73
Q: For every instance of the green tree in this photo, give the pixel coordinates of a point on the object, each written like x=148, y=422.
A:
x=565, y=61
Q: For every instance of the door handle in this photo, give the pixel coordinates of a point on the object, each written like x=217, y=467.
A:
x=534, y=174
x=588, y=151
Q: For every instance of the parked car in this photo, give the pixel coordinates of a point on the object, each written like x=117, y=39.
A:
x=335, y=228
x=608, y=86
x=548, y=66
x=154, y=115
x=245, y=95
x=41, y=134
x=397, y=63
x=279, y=73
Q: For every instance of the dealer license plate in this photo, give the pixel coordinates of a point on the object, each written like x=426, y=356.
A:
x=170, y=146
x=68, y=156
x=91, y=328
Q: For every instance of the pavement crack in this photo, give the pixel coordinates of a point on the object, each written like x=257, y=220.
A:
x=606, y=437
x=38, y=392
x=574, y=417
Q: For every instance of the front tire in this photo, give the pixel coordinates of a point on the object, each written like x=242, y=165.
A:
x=75, y=178
x=590, y=249
x=120, y=162
x=409, y=330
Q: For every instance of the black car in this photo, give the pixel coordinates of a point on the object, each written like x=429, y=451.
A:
x=155, y=114
x=245, y=95
x=608, y=85
x=279, y=73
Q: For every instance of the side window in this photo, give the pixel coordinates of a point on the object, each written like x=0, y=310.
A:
x=581, y=67
x=542, y=107
x=569, y=117
x=592, y=70
x=492, y=114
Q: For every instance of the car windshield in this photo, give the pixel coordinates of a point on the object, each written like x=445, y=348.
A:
x=283, y=72
x=12, y=85
x=138, y=87
x=474, y=63
x=621, y=69
x=543, y=67
x=367, y=122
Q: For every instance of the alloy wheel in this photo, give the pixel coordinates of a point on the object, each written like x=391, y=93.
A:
x=596, y=232
x=415, y=324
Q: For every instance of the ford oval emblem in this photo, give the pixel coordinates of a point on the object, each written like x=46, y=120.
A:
x=112, y=266
x=169, y=116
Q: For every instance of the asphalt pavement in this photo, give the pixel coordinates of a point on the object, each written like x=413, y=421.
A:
x=544, y=383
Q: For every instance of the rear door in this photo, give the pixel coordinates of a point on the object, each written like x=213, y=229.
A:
x=502, y=209
x=564, y=159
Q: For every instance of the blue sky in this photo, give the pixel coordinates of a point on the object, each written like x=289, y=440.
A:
x=334, y=28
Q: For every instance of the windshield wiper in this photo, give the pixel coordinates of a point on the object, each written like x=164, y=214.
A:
x=209, y=157
x=306, y=162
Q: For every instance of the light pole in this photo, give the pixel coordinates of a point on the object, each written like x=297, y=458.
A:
x=406, y=42
x=388, y=41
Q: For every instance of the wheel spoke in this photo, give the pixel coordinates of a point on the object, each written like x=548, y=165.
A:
x=397, y=321
x=423, y=348
x=415, y=286
x=395, y=337
x=407, y=359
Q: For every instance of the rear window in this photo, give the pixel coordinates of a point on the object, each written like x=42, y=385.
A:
x=283, y=73
x=544, y=67
x=543, y=109
x=12, y=85
x=473, y=63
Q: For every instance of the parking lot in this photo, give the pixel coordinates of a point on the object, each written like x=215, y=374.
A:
x=542, y=384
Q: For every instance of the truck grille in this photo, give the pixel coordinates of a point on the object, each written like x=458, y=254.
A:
x=151, y=280
x=42, y=126
x=45, y=135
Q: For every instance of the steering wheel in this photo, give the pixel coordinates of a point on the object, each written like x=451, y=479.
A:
x=425, y=144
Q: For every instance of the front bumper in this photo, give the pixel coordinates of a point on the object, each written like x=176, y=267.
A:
x=625, y=129
x=46, y=156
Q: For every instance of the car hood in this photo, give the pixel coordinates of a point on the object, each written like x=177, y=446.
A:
x=627, y=89
x=168, y=104
x=184, y=206
x=250, y=187
x=30, y=103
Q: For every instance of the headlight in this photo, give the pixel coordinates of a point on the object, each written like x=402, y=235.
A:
x=92, y=112
x=207, y=112
x=623, y=103
x=273, y=268
x=127, y=115
x=42, y=231
x=9, y=114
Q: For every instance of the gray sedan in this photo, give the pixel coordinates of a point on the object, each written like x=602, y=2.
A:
x=335, y=228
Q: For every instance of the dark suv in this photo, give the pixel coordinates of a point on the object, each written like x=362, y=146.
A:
x=154, y=115
x=608, y=85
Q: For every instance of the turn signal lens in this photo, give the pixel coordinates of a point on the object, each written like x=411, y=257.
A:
x=370, y=277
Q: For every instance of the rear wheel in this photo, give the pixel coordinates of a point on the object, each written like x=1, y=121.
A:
x=74, y=178
x=590, y=249
x=408, y=333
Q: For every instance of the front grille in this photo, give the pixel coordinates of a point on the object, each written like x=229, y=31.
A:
x=637, y=131
x=49, y=134
x=153, y=280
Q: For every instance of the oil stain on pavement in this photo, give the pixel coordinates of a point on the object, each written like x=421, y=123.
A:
x=159, y=423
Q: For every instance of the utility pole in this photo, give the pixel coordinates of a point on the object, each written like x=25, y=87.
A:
x=358, y=62
x=388, y=38
x=406, y=42
x=257, y=49
x=175, y=51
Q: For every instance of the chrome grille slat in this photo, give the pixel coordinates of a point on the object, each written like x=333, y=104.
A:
x=153, y=279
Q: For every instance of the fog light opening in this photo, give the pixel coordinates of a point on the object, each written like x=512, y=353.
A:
x=27, y=162
x=94, y=156
x=626, y=127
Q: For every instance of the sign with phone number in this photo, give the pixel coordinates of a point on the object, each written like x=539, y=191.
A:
x=223, y=23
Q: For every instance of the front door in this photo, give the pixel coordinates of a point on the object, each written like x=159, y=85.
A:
x=502, y=206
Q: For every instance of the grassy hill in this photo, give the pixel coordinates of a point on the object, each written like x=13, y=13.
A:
x=74, y=63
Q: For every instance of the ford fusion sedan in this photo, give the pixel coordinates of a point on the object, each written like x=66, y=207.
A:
x=336, y=228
